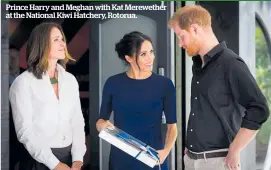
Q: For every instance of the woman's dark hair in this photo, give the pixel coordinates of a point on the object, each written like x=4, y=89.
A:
x=38, y=46
x=130, y=45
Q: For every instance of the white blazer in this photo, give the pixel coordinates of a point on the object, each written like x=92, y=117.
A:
x=42, y=121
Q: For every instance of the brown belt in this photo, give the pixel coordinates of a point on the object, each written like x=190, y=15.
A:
x=207, y=155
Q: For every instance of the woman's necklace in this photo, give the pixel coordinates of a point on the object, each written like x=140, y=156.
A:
x=53, y=80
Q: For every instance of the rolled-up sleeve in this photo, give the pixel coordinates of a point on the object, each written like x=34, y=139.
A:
x=248, y=94
x=20, y=99
x=78, y=134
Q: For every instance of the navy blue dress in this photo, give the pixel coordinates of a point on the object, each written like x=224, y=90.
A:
x=137, y=106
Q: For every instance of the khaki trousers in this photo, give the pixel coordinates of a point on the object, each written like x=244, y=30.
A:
x=205, y=164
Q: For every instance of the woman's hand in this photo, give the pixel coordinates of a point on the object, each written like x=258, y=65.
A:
x=77, y=165
x=101, y=124
x=170, y=140
x=62, y=166
x=163, y=155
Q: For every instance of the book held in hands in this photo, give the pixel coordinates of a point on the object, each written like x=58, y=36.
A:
x=130, y=145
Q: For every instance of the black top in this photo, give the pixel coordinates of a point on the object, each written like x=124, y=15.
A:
x=138, y=106
x=224, y=97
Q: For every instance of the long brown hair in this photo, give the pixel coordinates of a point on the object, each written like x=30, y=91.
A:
x=38, y=47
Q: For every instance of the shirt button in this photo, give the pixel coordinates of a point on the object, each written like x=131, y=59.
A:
x=196, y=98
x=193, y=114
x=197, y=82
x=191, y=146
x=64, y=137
x=191, y=130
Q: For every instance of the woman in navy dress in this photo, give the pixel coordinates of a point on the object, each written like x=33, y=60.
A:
x=138, y=98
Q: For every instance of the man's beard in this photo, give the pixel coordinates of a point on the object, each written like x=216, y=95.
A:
x=192, y=49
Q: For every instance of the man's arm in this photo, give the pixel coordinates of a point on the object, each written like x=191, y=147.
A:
x=246, y=92
x=242, y=139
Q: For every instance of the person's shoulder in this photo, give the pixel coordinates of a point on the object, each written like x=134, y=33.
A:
x=67, y=75
x=230, y=57
x=24, y=76
x=116, y=78
x=70, y=76
x=232, y=61
x=71, y=79
x=22, y=80
x=162, y=79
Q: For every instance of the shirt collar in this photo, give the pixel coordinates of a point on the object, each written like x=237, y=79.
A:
x=60, y=69
x=217, y=49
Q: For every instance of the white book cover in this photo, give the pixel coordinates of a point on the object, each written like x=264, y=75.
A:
x=130, y=145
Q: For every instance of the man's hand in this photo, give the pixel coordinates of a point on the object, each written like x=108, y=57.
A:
x=185, y=150
x=232, y=160
x=77, y=165
x=162, y=155
x=62, y=166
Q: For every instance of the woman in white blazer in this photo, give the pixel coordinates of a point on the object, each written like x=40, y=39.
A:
x=46, y=104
